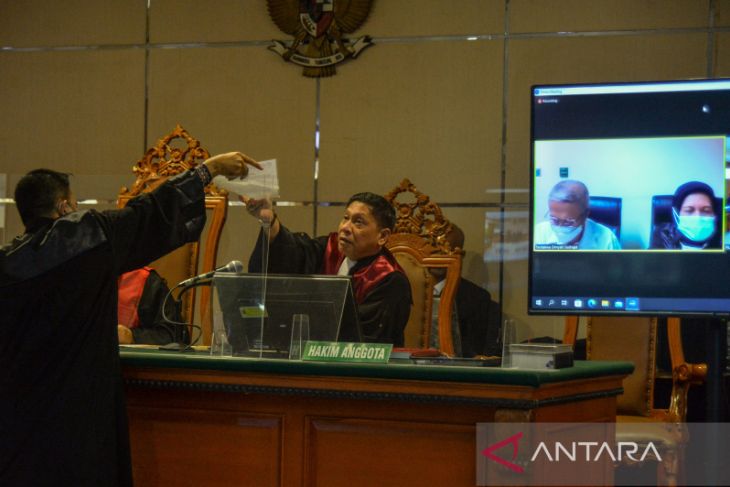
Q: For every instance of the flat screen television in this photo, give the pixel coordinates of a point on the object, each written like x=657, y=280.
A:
x=627, y=199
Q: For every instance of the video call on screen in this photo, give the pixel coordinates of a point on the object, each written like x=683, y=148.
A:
x=631, y=146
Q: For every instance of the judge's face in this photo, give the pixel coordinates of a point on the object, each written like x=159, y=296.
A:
x=359, y=234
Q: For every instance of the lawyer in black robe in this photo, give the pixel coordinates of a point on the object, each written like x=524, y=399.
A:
x=62, y=410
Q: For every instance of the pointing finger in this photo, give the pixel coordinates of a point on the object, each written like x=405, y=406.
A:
x=248, y=160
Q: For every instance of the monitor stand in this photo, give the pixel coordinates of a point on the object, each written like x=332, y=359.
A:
x=715, y=412
x=716, y=346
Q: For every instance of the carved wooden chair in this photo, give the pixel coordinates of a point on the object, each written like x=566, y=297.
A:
x=419, y=243
x=173, y=154
x=635, y=339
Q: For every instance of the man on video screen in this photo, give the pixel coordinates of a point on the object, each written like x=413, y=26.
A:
x=568, y=225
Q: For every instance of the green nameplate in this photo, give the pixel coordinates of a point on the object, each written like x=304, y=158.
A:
x=377, y=353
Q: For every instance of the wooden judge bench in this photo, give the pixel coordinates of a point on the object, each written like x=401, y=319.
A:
x=207, y=421
x=199, y=420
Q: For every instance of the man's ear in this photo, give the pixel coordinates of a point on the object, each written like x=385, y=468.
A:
x=62, y=207
x=384, y=235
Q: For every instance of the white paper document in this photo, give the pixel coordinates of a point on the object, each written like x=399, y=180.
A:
x=257, y=185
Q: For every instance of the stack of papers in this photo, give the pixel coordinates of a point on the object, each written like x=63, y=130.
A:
x=257, y=185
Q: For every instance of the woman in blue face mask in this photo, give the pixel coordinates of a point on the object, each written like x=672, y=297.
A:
x=694, y=223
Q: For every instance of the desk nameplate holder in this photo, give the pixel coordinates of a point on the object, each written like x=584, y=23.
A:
x=538, y=356
x=378, y=353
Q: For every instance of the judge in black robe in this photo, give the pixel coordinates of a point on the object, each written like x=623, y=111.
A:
x=62, y=410
x=478, y=317
x=479, y=320
x=381, y=287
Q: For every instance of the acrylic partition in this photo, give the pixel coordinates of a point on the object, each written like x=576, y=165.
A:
x=272, y=316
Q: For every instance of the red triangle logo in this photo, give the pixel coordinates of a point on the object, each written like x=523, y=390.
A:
x=514, y=441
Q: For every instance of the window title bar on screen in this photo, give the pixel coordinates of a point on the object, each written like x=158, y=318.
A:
x=706, y=85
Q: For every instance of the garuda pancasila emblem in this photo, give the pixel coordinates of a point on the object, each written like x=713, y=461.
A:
x=319, y=27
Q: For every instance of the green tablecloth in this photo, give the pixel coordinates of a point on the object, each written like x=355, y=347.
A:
x=403, y=370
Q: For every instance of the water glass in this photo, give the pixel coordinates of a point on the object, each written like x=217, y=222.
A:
x=299, y=335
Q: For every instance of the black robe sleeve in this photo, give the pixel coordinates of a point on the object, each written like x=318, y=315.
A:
x=154, y=224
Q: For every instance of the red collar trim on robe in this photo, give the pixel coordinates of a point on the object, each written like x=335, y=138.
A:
x=365, y=278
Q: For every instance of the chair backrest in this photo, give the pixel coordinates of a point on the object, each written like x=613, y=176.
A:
x=632, y=339
x=173, y=154
x=418, y=243
x=635, y=339
x=661, y=209
x=606, y=210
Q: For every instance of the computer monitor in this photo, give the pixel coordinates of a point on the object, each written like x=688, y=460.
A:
x=257, y=312
x=627, y=199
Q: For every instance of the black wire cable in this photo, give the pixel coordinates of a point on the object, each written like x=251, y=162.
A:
x=178, y=302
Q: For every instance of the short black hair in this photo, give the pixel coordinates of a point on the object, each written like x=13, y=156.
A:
x=37, y=193
x=382, y=210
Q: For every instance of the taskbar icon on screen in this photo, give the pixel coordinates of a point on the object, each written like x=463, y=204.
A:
x=588, y=303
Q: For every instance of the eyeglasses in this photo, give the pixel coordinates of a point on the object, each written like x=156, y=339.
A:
x=563, y=222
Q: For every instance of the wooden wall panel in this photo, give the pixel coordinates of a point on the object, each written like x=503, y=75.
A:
x=75, y=111
x=615, y=15
x=428, y=111
x=40, y=23
x=239, y=98
x=721, y=64
x=435, y=18
x=722, y=13
x=219, y=21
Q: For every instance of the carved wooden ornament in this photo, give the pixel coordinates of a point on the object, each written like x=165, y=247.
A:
x=167, y=159
x=421, y=217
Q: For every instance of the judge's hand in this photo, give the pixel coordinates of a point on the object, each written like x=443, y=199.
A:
x=261, y=209
x=231, y=165
x=125, y=335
